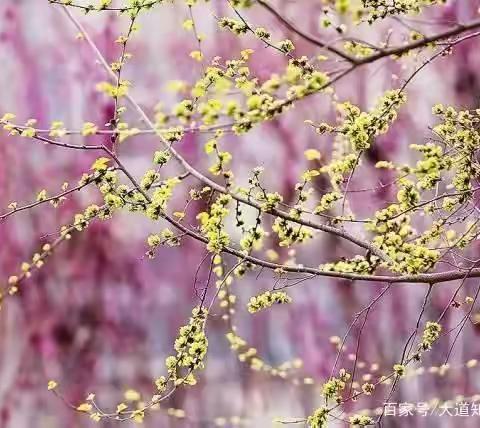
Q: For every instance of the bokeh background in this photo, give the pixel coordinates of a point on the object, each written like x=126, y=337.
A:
x=101, y=317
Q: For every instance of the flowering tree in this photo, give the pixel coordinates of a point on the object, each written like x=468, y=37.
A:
x=395, y=222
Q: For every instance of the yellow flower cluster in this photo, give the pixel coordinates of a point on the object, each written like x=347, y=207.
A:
x=211, y=224
x=379, y=9
x=191, y=348
x=267, y=299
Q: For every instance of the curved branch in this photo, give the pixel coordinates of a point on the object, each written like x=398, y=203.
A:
x=428, y=278
x=423, y=278
x=309, y=38
x=399, y=50
x=215, y=186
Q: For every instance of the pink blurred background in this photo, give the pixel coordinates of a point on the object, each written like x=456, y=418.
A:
x=101, y=317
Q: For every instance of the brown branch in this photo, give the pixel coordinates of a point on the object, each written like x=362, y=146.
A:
x=215, y=186
x=43, y=201
x=426, y=278
x=398, y=50
x=88, y=9
x=422, y=278
x=309, y=38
